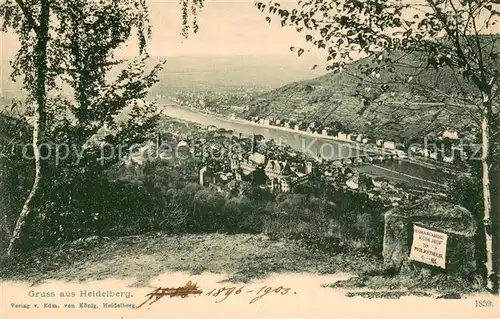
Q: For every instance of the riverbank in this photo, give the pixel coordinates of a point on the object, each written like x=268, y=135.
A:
x=399, y=170
x=427, y=163
x=354, y=144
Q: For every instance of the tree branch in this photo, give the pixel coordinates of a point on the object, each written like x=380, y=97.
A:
x=28, y=15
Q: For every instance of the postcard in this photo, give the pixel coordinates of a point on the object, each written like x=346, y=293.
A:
x=249, y=159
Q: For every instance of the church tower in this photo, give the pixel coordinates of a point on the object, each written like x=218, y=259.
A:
x=254, y=144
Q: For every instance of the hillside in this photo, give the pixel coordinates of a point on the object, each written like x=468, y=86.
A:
x=339, y=97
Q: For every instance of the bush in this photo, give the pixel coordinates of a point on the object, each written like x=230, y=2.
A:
x=78, y=204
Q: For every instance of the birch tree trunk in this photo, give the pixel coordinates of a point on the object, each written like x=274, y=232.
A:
x=21, y=223
x=42, y=32
x=489, y=231
x=495, y=205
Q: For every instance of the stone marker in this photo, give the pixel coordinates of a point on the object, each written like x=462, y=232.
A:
x=429, y=247
x=456, y=222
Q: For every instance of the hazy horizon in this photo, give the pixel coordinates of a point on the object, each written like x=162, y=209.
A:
x=210, y=72
x=226, y=28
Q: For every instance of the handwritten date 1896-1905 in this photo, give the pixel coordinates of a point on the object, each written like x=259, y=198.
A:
x=224, y=292
x=259, y=293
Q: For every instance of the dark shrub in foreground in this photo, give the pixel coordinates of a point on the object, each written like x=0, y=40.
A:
x=77, y=205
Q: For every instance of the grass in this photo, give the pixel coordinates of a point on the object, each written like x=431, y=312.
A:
x=410, y=283
x=241, y=257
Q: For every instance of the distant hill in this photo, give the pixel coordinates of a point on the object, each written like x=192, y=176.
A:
x=339, y=98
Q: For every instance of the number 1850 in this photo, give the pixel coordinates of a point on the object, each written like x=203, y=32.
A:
x=484, y=303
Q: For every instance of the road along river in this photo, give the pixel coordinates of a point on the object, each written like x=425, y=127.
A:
x=327, y=147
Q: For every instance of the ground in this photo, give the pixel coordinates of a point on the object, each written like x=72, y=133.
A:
x=241, y=257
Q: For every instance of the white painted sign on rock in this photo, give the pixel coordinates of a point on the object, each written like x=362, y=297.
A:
x=429, y=247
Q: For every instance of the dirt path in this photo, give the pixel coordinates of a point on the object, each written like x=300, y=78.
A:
x=236, y=259
x=239, y=257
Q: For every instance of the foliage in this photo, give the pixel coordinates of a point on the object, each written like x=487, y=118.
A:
x=86, y=205
x=16, y=172
x=405, y=45
x=66, y=60
x=459, y=37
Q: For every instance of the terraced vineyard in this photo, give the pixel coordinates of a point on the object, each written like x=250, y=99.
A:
x=342, y=97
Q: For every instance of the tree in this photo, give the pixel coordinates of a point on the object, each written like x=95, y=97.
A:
x=412, y=47
x=68, y=46
x=22, y=18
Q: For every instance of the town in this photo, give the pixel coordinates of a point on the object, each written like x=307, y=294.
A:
x=448, y=147
x=222, y=159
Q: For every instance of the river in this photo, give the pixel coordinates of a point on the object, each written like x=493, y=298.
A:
x=395, y=170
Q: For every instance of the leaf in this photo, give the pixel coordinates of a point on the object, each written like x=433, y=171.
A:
x=268, y=19
x=308, y=37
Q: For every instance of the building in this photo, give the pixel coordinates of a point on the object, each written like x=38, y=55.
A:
x=415, y=149
x=369, y=140
x=288, y=183
x=309, y=167
x=448, y=159
x=389, y=145
x=206, y=176
x=236, y=162
x=342, y=136
x=257, y=159
x=285, y=185
x=275, y=168
x=353, y=182
x=401, y=154
x=450, y=133
x=379, y=182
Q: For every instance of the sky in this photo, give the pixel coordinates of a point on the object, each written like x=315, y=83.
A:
x=227, y=27
x=230, y=27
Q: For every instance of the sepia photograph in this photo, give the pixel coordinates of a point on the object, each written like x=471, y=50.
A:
x=249, y=159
